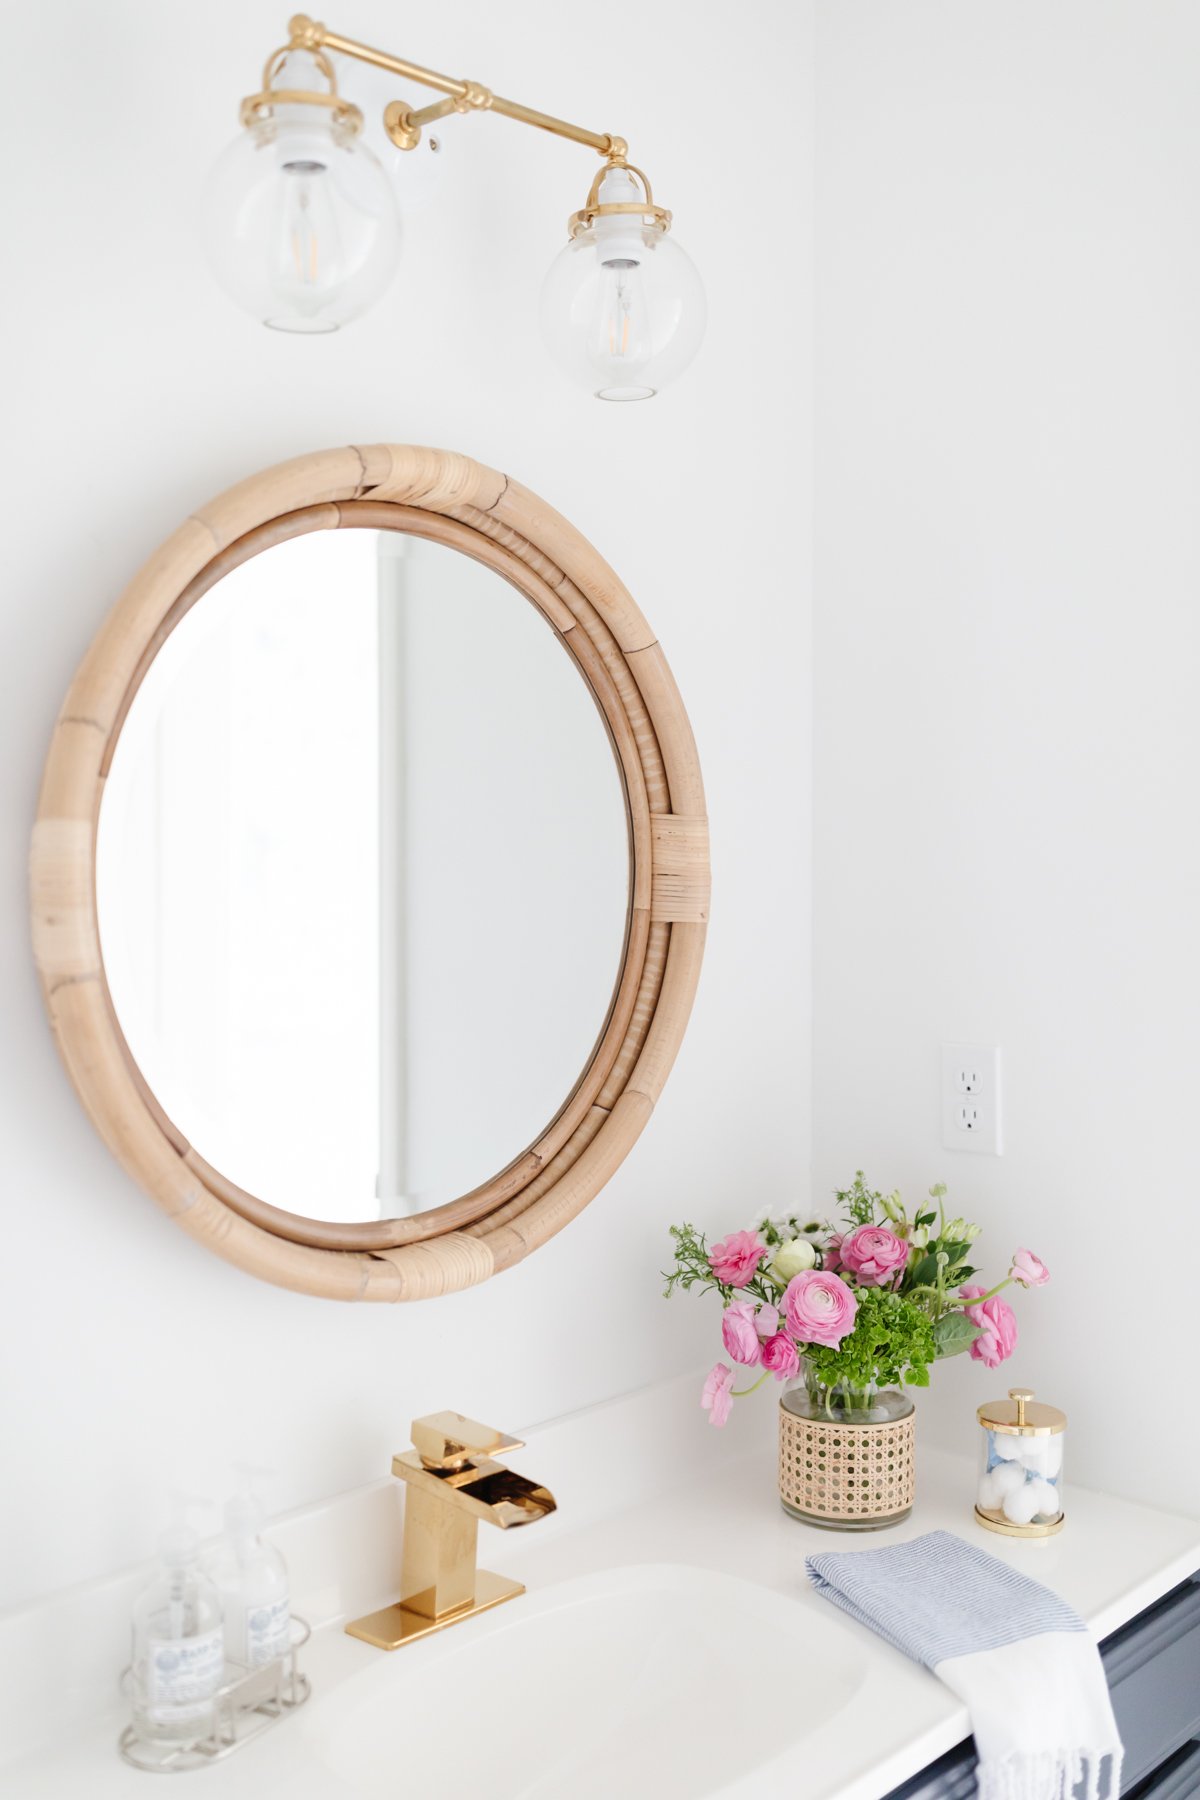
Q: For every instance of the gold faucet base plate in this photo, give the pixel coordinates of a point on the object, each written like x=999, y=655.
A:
x=392, y=1626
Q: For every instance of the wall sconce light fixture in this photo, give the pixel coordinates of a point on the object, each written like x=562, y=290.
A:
x=302, y=229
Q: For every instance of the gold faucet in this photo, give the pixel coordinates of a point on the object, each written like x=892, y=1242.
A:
x=452, y=1484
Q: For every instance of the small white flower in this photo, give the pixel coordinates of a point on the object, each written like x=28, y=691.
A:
x=792, y=1258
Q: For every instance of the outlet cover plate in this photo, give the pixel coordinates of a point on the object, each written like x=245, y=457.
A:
x=972, y=1111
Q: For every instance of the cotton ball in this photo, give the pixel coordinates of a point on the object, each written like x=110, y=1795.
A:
x=1045, y=1499
x=1006, y=1479
x=1042, y=1455
x=988, y=1497
x=1006, y=1447
x=1021, y=1504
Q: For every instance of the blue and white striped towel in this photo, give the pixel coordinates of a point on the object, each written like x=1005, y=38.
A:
x=1019, y=1657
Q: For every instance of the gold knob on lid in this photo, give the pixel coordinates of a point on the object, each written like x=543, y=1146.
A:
x=1022, y=1396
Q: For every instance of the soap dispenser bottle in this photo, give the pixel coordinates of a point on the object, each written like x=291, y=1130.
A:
x=178, y=1644
x=252, y=1580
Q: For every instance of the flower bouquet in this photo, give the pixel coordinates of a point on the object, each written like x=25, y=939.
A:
x=858, y=1307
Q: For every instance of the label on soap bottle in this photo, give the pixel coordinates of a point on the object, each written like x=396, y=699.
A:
x=268, y=1632
x=182, y=1675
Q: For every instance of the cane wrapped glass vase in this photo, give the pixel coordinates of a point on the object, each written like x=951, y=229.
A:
x=846, y=1457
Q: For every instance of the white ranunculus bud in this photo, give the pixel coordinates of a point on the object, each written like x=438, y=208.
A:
x=793, y=1258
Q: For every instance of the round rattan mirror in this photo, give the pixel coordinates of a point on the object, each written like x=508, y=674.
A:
x=151, y=721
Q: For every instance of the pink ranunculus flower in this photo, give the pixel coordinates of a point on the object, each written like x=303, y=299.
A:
x=766, y=1321
x=1029, y=1269
x=717, y=1395
x=873, y=1254
x=819, y=1308
x=736, y=1257
x=738, y=1332
x=831, y=1256
x=780, y=1355
x=997, y=1328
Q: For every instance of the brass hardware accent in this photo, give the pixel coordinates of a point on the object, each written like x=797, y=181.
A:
x=259, y=106
x=305, y=33
x=592, y=208
x=277, y=58
x=1021, y=1415
x=404, y=123
x=1051, y=1529
x=398, y=122
x=453, y=1482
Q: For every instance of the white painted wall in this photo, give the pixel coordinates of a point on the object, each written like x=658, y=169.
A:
x=1007, y=641
x=131, y=1359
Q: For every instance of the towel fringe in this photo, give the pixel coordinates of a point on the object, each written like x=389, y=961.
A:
x=1051, y=1775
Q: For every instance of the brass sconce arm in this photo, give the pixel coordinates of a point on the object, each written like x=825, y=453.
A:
x=404, y=124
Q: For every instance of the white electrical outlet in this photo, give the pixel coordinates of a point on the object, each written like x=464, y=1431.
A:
x=971, y=1110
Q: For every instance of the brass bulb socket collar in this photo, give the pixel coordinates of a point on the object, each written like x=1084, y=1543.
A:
x=594, y=208
x=655, y=216
x=257, y=107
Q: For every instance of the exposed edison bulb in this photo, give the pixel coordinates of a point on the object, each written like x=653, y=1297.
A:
x=623, y=309
x=309, y=261
x=300, y=220
x=621, y=340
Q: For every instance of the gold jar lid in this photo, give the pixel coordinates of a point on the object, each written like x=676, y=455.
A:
x=1022, y=1416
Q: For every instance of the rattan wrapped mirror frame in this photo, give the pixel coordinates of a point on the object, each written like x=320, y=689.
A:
x=455, y=501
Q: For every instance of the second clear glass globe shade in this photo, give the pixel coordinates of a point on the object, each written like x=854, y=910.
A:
x=300, y=222
x=622, y=316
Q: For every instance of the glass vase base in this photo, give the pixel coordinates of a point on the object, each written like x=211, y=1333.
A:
x=826, y=1524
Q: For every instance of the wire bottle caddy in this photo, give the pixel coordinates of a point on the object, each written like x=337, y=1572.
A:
x=247, y=1703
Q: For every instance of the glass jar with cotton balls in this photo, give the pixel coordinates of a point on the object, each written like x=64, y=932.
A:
x=1020, y=1485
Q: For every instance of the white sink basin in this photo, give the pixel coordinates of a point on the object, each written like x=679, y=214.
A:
x=658, y=1679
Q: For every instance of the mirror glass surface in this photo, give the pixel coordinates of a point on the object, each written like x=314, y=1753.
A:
x=362, y=875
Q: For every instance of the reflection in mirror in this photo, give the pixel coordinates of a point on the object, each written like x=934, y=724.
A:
x=362, y=875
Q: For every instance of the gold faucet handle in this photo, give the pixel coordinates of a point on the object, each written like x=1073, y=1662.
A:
x=447, y=1440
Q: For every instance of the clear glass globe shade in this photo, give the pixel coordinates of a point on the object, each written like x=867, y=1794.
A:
x=623, y=316
x=300, y=222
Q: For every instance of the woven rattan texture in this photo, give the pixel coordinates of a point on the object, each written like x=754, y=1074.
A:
x=846, y=1473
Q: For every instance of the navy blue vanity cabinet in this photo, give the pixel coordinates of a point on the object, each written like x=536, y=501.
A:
x=1153, y=1669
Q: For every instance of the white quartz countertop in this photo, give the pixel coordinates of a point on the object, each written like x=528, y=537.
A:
x=1111, y=1561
